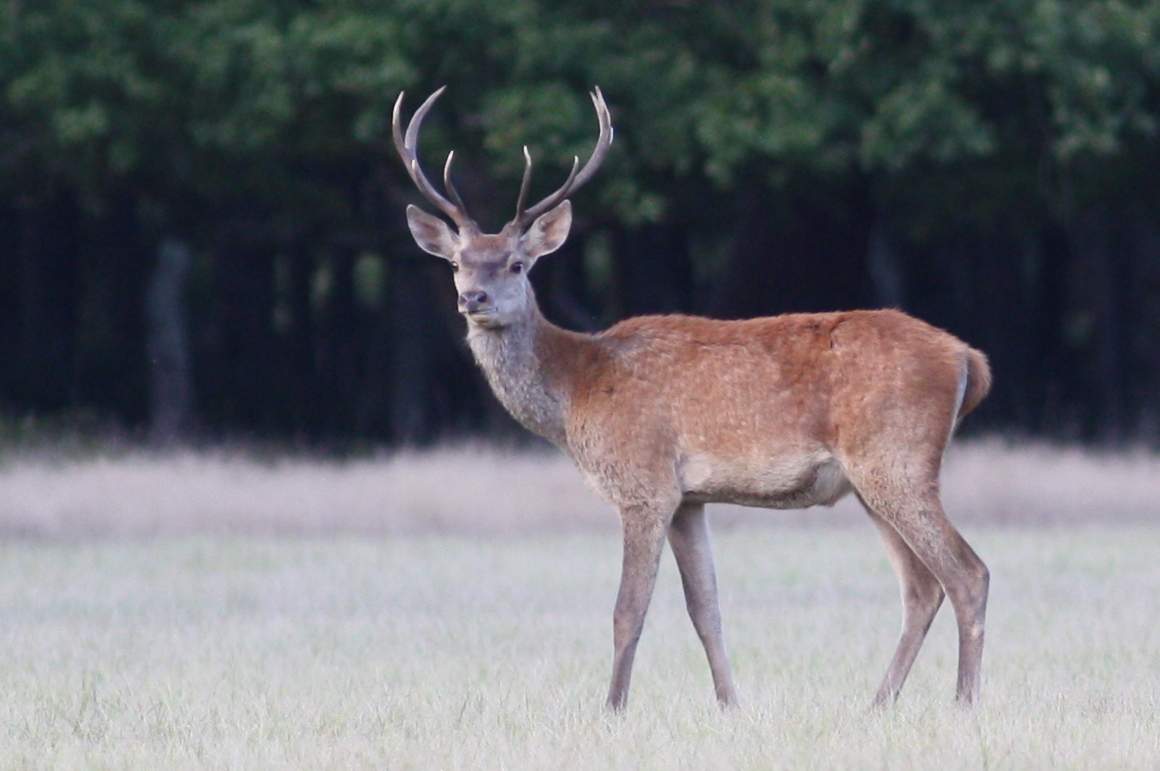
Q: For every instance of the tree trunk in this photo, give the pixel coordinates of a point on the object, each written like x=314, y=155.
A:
x=1143, y=328
x=413, y=325
x=167, y=346
x=1049, y=369
x=306, y=407
x=1096, y=323
x=246, y=392
x=340, y=338
x=50, y=292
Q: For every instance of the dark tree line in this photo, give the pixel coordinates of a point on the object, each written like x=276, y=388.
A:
x=201, y=217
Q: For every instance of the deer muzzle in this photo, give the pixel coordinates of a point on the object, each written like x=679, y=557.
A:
x=474, y=301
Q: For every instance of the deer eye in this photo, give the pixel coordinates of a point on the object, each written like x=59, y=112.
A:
x=517, y=268
x=454, y=267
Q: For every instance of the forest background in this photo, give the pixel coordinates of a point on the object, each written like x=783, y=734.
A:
x=201, y=214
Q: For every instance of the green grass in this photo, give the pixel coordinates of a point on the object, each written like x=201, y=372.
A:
x=479, y=652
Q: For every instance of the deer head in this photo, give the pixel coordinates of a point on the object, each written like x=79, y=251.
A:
x=491, y=269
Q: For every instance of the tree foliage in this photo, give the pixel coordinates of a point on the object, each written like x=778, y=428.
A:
x=913, y=152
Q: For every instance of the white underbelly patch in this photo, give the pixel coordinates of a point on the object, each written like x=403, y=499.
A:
x=782, y=482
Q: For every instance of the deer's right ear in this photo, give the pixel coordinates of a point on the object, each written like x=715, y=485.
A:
x=432, y=233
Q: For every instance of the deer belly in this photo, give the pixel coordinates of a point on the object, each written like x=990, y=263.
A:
x=772, y=483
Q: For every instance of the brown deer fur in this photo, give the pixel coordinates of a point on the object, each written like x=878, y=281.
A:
x=663, y=414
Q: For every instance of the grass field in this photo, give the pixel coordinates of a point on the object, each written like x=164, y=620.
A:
x=454, y=611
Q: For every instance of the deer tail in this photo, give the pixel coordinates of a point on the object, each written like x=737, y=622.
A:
x=978, y=381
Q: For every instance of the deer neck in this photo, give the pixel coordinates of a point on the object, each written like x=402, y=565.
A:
x=520, y=364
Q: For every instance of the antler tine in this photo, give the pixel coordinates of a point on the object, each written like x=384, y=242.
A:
x=406, y=146
x=603, y=142
x=520, y=216
x=575, y=180
x=524, y=185
x=449, y=185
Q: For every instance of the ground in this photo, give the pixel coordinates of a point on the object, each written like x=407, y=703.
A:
x=453, y=610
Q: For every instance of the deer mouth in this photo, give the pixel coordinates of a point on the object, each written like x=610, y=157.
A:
x=484, y=317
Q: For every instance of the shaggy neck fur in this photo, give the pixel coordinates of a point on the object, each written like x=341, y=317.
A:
x=511, y=358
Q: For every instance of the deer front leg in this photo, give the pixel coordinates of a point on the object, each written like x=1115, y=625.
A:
x=689, y=537
x=644, y=538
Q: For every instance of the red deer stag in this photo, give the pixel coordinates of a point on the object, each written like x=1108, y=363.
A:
x=663, y=414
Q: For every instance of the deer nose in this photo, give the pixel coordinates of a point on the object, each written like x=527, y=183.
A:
x=473, y=300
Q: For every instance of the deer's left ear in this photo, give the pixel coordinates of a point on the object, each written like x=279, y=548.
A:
x=548, y=232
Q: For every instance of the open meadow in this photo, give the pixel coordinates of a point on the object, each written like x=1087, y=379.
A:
x=453, y=610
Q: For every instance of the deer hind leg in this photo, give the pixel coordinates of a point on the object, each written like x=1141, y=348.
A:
x=644, y=539
x=689, y=537
x=912, y=508
x=922, y=596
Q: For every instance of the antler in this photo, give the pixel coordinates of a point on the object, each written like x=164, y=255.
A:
x=406, y=145
x=454, y=208
x=524, y=217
